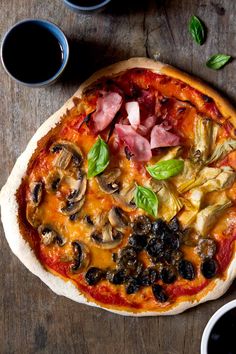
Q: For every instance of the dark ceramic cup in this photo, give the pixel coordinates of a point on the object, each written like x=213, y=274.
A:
x=34, y=52
x=81, y=6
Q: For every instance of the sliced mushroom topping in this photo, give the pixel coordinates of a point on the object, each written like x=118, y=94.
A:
x=36, y=192
x=118, y=218
x=108, y=181
x=67, y=151
x=53, y=181
x=108, y=237
x=125, y=198
x=81, y=256
x=48, y=235
x=32, y=215
x=72, y=207
x=78, y=187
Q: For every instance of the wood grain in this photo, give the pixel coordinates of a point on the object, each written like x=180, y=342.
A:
x=32, y=318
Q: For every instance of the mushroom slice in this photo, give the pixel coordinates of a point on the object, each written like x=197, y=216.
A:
x=72, y=207
x=53, y=181
x=78, y=188
x=108, y=238
x=32, y=215
x=48, y=236
x=118, y=218
x=108, y=181
x=36, y=192
x=125, y=198
x=81, y=256
x=68, y=151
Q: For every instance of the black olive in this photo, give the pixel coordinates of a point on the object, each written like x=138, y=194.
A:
x=139, y=242
x=77, y=252
x=142, y=225
x=186, y=269
x=170, y=240
x=148, y=277
x=174, y=224
x=116, y=276
x=132, y=286
x=159, y=293
x=93, y=275
x=154, y=247
x=209, y=268
x=206, y=248
x=127, y=258
x=159, y=226
x=128, y=252
x=176, y=256
x=168, y=275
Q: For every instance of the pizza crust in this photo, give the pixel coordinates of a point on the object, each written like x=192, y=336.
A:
x=9, y=206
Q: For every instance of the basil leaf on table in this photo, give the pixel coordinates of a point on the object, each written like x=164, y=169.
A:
x=197, y=30
x=217, y=61
x=165, y=169
x=146, y=199
x=98, y=158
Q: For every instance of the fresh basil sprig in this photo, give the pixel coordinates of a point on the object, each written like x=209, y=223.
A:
x=217, y=61
x=98, y=158
x=146, y=199
x=165, y=169
x=197, y=30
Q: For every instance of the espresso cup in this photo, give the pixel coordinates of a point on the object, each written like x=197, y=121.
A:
x=86, y=6
x=34, y=52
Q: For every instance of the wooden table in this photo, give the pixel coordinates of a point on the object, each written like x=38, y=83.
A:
x=32, y=318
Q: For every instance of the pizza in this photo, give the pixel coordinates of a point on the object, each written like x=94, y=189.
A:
x=125, y=198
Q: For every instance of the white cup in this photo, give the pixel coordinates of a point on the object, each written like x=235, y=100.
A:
x=217, y=315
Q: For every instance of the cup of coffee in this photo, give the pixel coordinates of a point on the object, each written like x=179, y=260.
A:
x=219, y=334
x=86, y=6
x=34, y=52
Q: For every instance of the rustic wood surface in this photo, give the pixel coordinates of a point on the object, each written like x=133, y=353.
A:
x=32, y=318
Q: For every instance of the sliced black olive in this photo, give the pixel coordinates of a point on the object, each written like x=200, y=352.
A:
x=93, y=275
x=139, y=242
x=148, y=277
x=206, y=248
x=176, y=256
x=128, y=259
x=168, y=275
x=159, y=226
x=170, y=240
x=154, y=247
x=116, y=276
x=159, y=293
x=142, y=225
x=132, y=286
x=186, y=269
x=209, y=268
x=174, y=224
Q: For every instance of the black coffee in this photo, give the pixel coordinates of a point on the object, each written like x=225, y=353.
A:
x=86, y=3
x=222, y=338
x=32, y=54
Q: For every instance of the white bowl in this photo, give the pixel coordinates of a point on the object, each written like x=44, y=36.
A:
x=218, y=314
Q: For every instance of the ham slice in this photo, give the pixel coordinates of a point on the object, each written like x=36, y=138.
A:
x=146, y=125
x=137, y=144
x=133, y=111
x=107, y=107
x=160, y=137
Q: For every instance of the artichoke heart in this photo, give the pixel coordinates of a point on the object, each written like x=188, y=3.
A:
x=169, y=202
x=207, y=217
x=187, y=176
x=191, y=207
x=223, y=181
x=205, y=134
x=207, y=173
x=172, y=153
x=221, y=150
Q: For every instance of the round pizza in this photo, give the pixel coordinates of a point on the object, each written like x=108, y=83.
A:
x=126, y=197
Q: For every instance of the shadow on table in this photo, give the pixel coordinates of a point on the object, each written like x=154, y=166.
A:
x=88, y=57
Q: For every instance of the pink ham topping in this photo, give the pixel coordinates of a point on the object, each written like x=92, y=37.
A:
x=107, y=107
x=160, y=137
x=133, y=111
x=137, y=144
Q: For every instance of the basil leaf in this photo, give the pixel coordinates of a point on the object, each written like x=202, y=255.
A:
x=197, y=30
x=217, y=61
x=98, y=158
x=146, y=199
x=165, y=169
